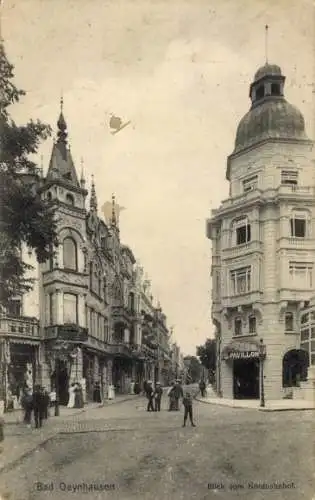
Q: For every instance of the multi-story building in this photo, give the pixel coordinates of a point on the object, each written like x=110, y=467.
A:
x=83, y=319
x=263, y=246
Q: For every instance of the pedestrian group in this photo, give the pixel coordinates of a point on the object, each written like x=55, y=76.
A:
x=175, y=393
x=36, y=402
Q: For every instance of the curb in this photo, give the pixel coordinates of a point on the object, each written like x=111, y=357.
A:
x=17, y=460
x=253, y=408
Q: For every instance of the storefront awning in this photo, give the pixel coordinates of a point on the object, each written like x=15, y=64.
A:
x=243, y=350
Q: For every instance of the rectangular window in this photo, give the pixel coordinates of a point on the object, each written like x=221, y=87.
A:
x=250, y=184
x=51, y=319
x=252, y=324
x=305, y=334
x=289, y=177
x=15, y=308
x=70, y=308
x=241, y=280
x=298, y=227
x=243, y=234
x=301, y=274
x=237, y=326
x=289, y=323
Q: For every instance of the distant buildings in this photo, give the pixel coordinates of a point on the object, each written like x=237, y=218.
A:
x=90, y=316
x=263, y=249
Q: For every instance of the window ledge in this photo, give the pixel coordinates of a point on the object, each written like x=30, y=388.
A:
x=244, y=335
x=290, y=332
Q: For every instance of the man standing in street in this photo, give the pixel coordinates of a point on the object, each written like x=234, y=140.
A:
x=150, y=396
x=202, y=387
x=178, y=393
x=38, y=406
x=188, y=405
x=158, y=396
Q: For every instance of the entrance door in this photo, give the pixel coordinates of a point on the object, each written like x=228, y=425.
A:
x=246, y=379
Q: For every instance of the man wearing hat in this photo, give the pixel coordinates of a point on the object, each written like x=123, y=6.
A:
x=158, y=396
x=150, y=396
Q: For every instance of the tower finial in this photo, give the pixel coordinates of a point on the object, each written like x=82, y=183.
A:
x=62, y=126
x=93, y=199
x=61, y=102
x=266, y=43
x=82, y=180
x=114, y=221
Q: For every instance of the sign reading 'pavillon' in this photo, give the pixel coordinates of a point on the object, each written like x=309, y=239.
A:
x=241, y=350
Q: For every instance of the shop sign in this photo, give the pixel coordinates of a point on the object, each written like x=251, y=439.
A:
x=243, y=355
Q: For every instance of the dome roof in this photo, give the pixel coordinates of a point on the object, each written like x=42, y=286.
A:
x=267, y=70
x=272, y=119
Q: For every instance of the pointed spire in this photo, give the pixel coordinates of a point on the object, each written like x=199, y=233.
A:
x=93, y=199
x=62, y=126
x=114, y=221
x=266, y=43
x=82, y=180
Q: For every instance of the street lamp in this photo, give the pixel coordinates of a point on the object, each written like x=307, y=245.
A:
x=262, y=355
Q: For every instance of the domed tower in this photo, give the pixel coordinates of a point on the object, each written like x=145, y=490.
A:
x=263, y=245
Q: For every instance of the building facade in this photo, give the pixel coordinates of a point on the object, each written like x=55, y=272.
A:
x=84, y=318
x=263, y=247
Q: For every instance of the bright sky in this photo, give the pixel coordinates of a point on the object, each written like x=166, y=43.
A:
x=180, y=70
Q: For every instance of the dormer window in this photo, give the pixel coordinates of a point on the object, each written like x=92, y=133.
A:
x=260, y=92
x=275, y=89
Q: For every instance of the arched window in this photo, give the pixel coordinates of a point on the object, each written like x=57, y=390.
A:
x=70, y=199
x=70, y=260
x=294, y=367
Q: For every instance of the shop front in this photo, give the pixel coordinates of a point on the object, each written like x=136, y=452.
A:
x=22, y=368
x=244, y=360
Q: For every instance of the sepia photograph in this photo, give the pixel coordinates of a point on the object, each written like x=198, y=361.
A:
x=157, y=249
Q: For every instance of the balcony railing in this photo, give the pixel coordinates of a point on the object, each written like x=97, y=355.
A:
x=19, y=327
x=239, y=250
x=70, y=332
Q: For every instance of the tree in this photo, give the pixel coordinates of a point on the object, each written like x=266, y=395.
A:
x=24, y=216
x=193, y=368
x=207, y=356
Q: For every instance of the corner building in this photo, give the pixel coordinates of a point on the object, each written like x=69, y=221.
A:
x=263, y=246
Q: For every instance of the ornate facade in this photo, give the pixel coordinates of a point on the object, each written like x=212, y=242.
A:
x=263, y=246
x=83, y=320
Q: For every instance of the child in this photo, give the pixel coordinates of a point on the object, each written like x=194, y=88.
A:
x=188, y=405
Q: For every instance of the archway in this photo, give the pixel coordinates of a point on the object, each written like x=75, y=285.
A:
x=294, y=367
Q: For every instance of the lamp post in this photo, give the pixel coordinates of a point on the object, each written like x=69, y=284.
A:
x=262, y=355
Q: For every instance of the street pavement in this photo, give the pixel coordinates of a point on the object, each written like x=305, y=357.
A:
x=123, y=452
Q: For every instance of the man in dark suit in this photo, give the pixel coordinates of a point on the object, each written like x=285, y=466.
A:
x=38, y=406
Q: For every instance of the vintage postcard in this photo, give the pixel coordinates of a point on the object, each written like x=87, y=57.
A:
x=157, y=249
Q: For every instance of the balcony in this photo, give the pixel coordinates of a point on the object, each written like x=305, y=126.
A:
x=240, y=250
x=120, y=349
x=123, y=314
x=19, y=327
x=69, y=332
x=291, y=243
x=242, y=300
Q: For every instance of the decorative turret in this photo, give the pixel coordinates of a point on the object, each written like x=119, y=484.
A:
x=113, y=218
x=82, y=180
x=93, y=199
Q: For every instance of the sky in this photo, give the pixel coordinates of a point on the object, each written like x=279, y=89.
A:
x=180, y=71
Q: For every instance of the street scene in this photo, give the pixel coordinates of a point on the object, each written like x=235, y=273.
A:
x=139, y=454
x=157, y=250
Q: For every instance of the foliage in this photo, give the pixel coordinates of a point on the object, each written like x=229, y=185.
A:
x=207, y=355
x=24, y=217
x=194, y=368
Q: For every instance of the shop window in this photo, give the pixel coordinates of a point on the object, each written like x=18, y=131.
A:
x=252, y=324
x=237, y=326
x=70, y=260
x=70, y=308
x=289, y=322
x=289, y=177
x=241, y=280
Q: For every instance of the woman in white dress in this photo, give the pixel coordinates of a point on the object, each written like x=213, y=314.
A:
x=71, y=396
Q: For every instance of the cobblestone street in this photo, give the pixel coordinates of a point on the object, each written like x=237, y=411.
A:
x=150, y=456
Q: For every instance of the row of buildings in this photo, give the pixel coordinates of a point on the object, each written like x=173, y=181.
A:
x=91, y=315
x=263, y=252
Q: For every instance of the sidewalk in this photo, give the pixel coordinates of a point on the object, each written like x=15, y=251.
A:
x=274, y=405
x=15, y=447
